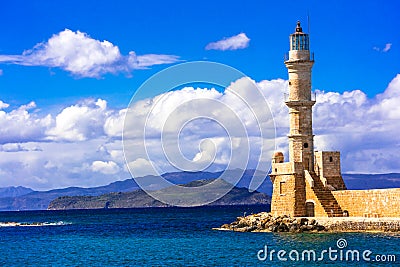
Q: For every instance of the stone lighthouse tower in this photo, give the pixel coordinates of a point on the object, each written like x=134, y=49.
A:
x=300, y=100
x=302, y=186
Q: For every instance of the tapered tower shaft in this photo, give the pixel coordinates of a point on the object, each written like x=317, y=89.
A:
x=300, y=100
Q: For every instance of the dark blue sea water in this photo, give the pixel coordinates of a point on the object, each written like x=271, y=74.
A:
x=172, y=237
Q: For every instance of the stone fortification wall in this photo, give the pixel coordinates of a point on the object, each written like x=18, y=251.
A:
x=369, y=203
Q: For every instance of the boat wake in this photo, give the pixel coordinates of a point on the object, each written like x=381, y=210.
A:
x=32, y=224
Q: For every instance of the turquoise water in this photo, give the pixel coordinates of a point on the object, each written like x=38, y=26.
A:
x=167, y=236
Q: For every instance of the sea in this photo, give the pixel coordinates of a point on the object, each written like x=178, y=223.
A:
x=178, y=237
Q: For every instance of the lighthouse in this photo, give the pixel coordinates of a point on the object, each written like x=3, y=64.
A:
x=303, y=186
x=299, y=100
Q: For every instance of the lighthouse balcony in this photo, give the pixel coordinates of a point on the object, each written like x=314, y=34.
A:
x=299, y=100
x=299, y=56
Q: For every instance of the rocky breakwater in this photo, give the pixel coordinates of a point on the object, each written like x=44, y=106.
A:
x=265, y=222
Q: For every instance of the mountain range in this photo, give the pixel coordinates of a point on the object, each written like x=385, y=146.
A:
x=140, y=199
x=22, y=198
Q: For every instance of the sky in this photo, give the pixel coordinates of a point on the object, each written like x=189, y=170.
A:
x=68, y=70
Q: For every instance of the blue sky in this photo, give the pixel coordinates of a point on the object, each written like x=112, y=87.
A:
x=68, y=69
x=343, y=35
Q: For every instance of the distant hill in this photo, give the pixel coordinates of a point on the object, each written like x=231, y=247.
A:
x=372, y=181
x=39, y=200
x=21, y=198
x=14, y=191
x=139, y=199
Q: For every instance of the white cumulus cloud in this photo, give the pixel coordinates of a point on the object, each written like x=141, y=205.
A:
x=82, y=142
x=114, y=123
x=109, y=167
x=239, y=41
x=3, y=105
x=80, y=122
x=22, y=125
x=84, y=56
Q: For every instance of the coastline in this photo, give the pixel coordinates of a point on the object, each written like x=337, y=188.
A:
x=265, y=222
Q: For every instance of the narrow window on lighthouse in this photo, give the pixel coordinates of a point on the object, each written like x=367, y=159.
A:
x=281, y=188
